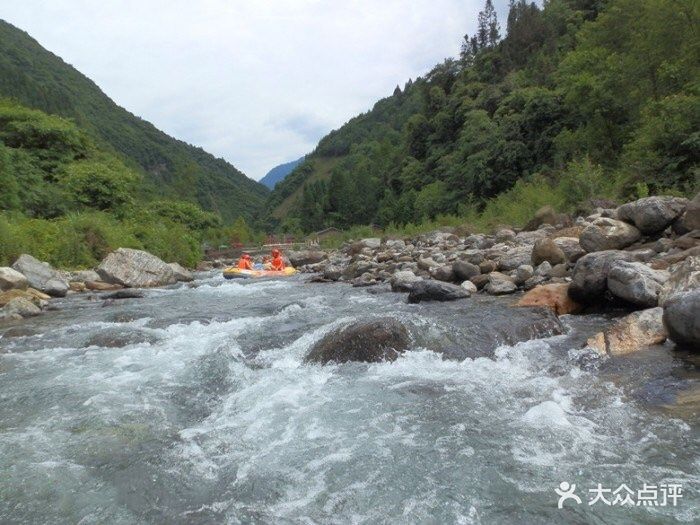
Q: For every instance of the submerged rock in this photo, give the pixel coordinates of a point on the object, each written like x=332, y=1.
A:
x=41, y=275
x=135, y=269
x=554, y=296
x=429, y=290
x=681, y=318
x=20, y=306
x=366, y=341
x=653, y=214
x=126, y=294
x=608, y=234
x=118, y=338
x=631, y=333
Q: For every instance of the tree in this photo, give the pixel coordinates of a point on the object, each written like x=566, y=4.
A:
x=488, y=32
x=104, y=184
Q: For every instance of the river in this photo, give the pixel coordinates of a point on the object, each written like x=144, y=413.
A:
x=194, y=405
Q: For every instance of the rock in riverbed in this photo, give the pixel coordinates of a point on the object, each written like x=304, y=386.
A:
x=653, y=214
x=608, y=234
x=554, y=296
x=41, y=276
x=428, y=290
x=135, y=269
x=631, y=333
x=11, y=279
x=367, y=341
x=589, y=279
x=682, y=318
x=636, y=283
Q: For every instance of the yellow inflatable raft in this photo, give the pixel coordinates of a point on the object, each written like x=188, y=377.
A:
x=237, y=273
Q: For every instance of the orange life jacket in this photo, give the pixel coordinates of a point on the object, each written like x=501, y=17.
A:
x=244, y=264
x=278, y=263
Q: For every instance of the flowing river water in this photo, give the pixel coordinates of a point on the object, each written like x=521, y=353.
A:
x=194, y=405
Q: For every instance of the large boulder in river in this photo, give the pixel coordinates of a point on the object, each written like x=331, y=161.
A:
x=636, y=283
x=368, y=341
x=41, y=276
x=429, y=290
x=304, y=257
x=589, y=279
x=443, y=273
x=685, y=276
x=682, y=318
x=135, y=269
x=546, y=249
x=554, y=296
x=653, y=214
x=607, y=234
x=11, y=279
x=631, y=333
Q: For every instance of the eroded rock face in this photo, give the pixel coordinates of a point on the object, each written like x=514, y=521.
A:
x=652, y=214
x=11, y=279
x=41, y=275
x=553, y=296
x=681, y=317
x=631, y=333
x=608, y=234
x=636, y=283
x=304, y=257
x=429, y=290
x=135, y=269
x=366, y=341
x=589, y=279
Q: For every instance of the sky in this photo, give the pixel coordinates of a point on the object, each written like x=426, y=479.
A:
x=257, y=82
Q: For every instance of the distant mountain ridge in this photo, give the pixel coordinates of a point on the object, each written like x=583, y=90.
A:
x=174, y=169
x=278, y=173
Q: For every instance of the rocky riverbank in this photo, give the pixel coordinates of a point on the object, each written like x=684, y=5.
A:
x=27, y=287
x=643, y=256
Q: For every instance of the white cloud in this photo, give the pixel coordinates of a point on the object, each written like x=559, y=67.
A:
x=257, y=82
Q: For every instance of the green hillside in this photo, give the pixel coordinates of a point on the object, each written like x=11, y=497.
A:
x=580, y=99
x=172, y=169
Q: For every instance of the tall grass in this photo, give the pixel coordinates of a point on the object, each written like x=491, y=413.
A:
x=81, y=240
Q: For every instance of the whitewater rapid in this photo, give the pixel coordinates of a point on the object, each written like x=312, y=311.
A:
x=194, y=405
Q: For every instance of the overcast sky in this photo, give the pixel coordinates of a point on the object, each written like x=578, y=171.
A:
x=257, y=82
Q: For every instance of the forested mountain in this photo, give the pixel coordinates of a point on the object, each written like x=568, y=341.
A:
x=173, y=169
x=278, y=173
x=581, y=98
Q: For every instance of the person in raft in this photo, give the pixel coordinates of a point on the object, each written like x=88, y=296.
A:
x=277, y=262
x=244, y=262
